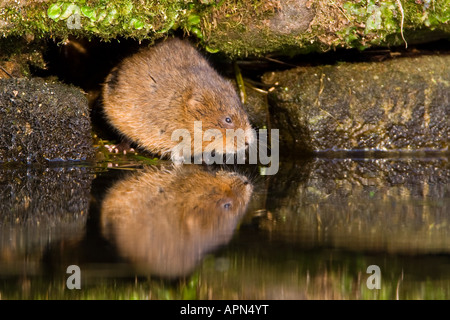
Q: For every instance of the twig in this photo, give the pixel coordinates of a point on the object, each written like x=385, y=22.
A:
x=401, y=23
x=9, y=74
x=280, y=62
x=340, y=9
x=240, y=83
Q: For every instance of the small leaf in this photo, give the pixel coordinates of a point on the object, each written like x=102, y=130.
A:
x=197, y=32
x=193, y=20
x=168, y=27
x=211, y=50
x=70, y=10
x=54, y=11
x=136, y=24
x=89, y=13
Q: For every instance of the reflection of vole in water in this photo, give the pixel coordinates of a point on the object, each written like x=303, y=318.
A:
x=164, y=221
x=168, y=87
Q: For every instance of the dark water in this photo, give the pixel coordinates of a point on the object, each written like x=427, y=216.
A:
x=309, y=232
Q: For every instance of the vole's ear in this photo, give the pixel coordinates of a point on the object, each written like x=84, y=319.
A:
x=188, y=98
x=112, y=80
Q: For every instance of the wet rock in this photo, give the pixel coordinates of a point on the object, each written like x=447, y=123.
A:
x=42, y=121
x=401, y=104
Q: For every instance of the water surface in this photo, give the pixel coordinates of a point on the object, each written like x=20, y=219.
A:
x=308, y=232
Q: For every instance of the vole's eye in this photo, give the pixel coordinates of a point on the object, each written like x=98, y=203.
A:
x=227, y=122
x=227, y=205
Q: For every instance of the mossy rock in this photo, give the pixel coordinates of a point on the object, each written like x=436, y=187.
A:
x=43, y=121
x=397, y=105
x=236, y=28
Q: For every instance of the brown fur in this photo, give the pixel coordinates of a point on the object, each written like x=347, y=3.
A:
x=165, y=221
x=167, y=87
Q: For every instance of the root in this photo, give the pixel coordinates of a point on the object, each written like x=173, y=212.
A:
x=402, y=21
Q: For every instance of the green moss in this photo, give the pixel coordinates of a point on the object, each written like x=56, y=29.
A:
x=106, y=155
x=104, y=19
x=237, y=28
x=380, y=23
x=122, y=18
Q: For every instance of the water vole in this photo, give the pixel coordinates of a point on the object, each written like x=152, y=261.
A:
x=165, y=221
x=168, y=87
